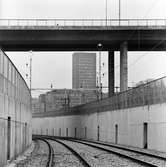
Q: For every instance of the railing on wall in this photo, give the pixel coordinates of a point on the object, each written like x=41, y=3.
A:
x=81, y=22
x=153, y=92
x=147, y=94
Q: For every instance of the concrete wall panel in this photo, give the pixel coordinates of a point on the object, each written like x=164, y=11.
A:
x=14, y=108
x=130, y=125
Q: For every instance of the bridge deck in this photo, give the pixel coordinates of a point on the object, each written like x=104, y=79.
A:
x=82, y=35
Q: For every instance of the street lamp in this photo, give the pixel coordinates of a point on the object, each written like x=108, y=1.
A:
x=31, y=53
x=100, y=47
x=30, y=76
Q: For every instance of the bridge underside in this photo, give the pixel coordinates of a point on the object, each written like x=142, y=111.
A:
x=82, y=40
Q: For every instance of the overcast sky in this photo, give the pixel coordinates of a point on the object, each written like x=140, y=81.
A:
x=56, y=67
x=82, y=8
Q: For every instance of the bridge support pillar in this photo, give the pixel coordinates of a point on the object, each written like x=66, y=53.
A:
x=111, y=73
x=123, y=67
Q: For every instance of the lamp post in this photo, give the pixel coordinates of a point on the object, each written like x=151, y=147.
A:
x=100, y=47
x=31, y=53
x=106, y=13
x=119, y=12
x=30, y=76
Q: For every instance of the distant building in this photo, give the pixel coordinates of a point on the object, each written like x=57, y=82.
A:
x=84, y=70
x=65, y=98
x=84, y=87
x=62, y=99
x=35, y=105
x=39, y=104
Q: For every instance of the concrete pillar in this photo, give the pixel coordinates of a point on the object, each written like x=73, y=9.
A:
x=123, y=67
x=111, y=76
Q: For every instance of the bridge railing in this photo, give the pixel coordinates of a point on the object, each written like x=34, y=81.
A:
x=147, y=94
x=81, y=22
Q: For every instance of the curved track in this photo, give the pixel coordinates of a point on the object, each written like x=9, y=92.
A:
x=137, y=156
x=51, y=152
x=126, y=149
x=99, y=157
x=84, y=162
x=120, y=151
x=50, y=157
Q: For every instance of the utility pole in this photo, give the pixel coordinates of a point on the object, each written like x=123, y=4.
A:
x=106, y=13
x=30, y=79
x=100, y=70
x=119, y=12
x=31, y=53
x=100, y=47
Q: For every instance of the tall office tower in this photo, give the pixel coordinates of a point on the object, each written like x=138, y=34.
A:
x=84, y=70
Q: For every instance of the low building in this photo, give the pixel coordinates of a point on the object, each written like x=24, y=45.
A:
x=58, y=99
x=66, y=98
x=35, y=105
x=39, y=104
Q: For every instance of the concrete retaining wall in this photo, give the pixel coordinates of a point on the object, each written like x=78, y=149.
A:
x=130, y=124
x=15, y=114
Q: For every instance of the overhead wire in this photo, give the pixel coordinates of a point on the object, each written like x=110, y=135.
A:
x=155, y=46
x=149, y=9
x=140, y=57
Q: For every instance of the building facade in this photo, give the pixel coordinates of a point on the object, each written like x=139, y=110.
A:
x=62, y=99
x=83, y=84
x=84, y=70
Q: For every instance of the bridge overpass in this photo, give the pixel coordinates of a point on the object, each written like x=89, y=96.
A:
x=85, y=35
x=82, y=34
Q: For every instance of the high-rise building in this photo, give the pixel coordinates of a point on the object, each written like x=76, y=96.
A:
x=84, y=70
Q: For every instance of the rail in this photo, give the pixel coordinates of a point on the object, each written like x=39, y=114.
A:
x=79, y=156
x=51, y=152
x=82, y=22
x=111, y=145
x=119, y=153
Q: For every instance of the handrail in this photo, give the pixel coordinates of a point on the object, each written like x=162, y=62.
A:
x=81, y=22
x=147, y=94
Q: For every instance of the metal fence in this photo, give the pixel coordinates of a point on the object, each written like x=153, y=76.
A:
x=144, y=95
x=81, y=22
x=153, y=92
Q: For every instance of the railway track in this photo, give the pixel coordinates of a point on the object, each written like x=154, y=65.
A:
x=93, y=153
x=144, y=158
x=75, y=153
x=51, y=155
x=145, y=152
x=50, y=152
x=41, y=156
x=97, y=157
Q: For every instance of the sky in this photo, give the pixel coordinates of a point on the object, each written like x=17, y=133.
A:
x=56, y=67
x=82, y=8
